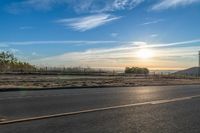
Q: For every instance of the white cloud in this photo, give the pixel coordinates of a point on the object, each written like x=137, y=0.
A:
x=153, y=22
x=175, y=44
x=88, y=22
x=92, y=6
x=97, y=6
x=72, y=42
x=165, y=4
x=89, y=6
x=89, y=42
x=154, y=35
x=114, y=34
x=124, y=55
x=123, y=4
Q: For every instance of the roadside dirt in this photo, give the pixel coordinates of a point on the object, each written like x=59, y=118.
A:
x=56, y=81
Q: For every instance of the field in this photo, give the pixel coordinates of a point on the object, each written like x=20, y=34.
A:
x=72, y=81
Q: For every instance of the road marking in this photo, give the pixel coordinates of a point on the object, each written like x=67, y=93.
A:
x=2, y=120
x=24, y=97
x=96, y=110
x=54, y=95
x=171, y=100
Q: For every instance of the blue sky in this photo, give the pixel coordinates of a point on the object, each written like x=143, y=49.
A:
x=102, y=33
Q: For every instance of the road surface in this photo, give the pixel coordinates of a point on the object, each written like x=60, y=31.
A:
x=170, y=109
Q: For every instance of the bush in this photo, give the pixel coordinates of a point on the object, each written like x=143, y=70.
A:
x=136, y=70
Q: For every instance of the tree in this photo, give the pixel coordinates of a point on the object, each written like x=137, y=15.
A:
x=8, y=62
x=136, y=70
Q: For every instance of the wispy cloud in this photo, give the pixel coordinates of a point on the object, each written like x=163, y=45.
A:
x=98, y=6
x=25, y=27
x=154, y=35
x=114, y=34
x=88, y=22
x=92, y=6
x=126, y=55
x=24, y=5
x=153, y=22
x=89, y=42
x=165, y=4
x=174, y=44
x=69, y=42
x=80, y=6
x=3, y=45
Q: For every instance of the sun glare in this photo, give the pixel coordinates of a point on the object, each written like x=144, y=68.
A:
x=145, y=54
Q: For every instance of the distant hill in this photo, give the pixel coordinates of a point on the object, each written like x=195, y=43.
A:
x=191, y=71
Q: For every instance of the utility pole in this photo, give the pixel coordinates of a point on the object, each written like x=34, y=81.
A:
x=199, y=65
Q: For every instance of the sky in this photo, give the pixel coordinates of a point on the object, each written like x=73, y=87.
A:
x=158, y=34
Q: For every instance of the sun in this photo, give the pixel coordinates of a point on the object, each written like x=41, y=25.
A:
x=145, y=53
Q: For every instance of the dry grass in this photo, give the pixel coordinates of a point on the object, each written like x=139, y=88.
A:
x=56, y=81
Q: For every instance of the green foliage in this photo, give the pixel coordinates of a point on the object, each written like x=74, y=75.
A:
x=136, y=70
x=9, y=63
x=6, y=57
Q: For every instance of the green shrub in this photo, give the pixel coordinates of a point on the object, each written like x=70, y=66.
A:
x=136, y=70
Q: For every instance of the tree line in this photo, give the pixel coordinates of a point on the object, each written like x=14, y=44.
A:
x=9, y=63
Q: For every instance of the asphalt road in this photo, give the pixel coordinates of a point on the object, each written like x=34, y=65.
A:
x=170, y=109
